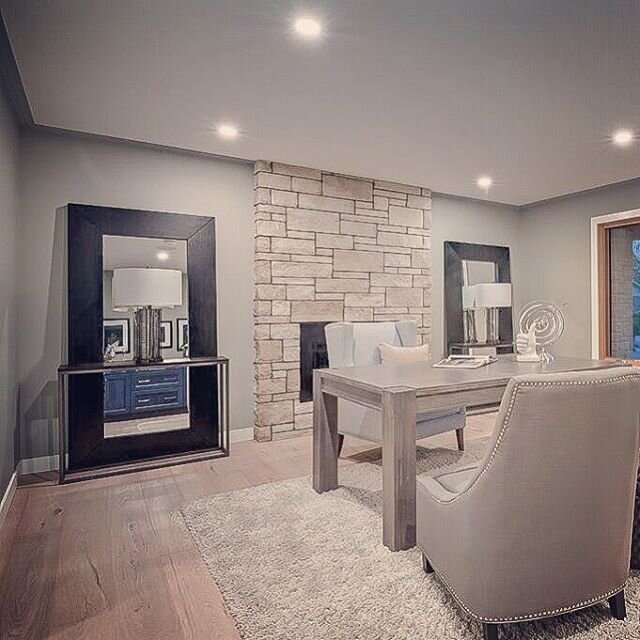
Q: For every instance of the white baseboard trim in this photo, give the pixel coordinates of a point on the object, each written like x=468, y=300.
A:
x=241, y=435
x=7, y=498
x=38, y=465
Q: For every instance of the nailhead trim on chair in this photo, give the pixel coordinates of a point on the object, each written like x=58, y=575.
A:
x=539, y=614
x=530, y=616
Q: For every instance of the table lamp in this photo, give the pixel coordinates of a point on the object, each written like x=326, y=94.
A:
x=493, y=296
x=468, y=308
x=148, y=291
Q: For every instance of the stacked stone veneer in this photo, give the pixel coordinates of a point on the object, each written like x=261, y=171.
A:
x=330, y=247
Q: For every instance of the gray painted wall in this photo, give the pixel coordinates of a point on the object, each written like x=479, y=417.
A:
x=56, y=169
x=8, y=302
x=466, y=220
x=549, y=245
x=555, y=255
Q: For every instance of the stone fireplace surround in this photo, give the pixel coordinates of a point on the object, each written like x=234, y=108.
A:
x=329, y=247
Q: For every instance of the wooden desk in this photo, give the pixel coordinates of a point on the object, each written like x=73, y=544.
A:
x=402, y=393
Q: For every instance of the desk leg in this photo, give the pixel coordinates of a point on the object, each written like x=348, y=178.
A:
x=399, y=468
x=325, y=438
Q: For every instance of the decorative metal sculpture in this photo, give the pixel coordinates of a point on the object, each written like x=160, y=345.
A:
x=541, y=324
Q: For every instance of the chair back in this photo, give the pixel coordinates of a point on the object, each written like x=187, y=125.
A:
x=351, y=344
x=551, y=506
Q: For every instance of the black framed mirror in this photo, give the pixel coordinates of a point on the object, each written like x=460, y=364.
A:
x=467, y=265
x=96, y=401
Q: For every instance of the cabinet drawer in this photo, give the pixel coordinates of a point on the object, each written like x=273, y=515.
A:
x=158, y=377
x=156, y=400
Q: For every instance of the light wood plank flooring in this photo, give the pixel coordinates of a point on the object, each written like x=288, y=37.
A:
x=112, y=559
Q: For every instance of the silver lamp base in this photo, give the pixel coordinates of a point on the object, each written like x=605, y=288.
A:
x=469, y=325
x=493, y=325
x=147, y=335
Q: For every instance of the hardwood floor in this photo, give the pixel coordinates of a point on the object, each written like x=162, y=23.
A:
x=111, y=559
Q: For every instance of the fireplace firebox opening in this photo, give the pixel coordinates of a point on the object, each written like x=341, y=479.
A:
x=313, y=355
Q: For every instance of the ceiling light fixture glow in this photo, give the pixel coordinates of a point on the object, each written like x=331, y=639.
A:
x=484, y=182
x=622, y=137
x=228, y=131
x=162, y=255
x=308, y=27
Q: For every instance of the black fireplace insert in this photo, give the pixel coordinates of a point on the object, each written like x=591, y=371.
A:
x=313, y=355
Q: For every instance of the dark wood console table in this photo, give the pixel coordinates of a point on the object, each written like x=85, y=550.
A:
x=206, y=437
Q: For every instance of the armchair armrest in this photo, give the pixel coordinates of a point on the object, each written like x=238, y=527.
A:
x=435, y=491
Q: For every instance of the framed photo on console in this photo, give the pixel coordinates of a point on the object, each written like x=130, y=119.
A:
x=166, y=334
x=183, y=332
x=116, y=332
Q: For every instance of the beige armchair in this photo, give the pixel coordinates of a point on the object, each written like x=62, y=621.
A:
x=356, y=344
x=542, y=526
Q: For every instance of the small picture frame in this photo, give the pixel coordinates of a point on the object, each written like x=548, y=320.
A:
x=182, y=333
x=166, y=334
x=115, y=331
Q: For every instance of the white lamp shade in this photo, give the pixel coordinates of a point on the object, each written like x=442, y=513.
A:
x=469, y=296
x=159, y=288
x=493, y=294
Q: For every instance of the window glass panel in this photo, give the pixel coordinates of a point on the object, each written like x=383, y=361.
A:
x=624, y=292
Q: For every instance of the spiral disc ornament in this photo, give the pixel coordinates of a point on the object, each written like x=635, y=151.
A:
x=547, y=323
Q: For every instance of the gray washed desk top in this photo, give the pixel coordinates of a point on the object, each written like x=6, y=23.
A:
x=425, y=378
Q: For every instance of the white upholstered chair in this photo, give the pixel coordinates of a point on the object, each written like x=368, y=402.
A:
x=542, y=525
x=352, y=344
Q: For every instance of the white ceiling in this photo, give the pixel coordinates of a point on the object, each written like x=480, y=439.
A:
x=127, y=251
x=428, y=92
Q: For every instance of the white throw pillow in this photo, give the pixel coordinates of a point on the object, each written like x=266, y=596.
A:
x=399, y=355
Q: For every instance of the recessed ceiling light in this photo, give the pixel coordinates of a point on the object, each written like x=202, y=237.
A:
x=484, y=182
x=162, y=255
x=308, y=27
x=622, y=137
x=228, y=131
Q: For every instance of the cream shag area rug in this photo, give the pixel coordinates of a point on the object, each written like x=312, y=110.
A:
x=295, y=565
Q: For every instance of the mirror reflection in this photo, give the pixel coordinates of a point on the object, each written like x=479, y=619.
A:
x=482, y=298
x=477, y=272
x=145, y=316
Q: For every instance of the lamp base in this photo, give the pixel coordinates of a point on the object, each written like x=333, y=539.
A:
x=469, y=325
x=493, y=324
x=147, y=335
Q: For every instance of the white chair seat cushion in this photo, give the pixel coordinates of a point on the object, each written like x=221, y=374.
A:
x=441, y=422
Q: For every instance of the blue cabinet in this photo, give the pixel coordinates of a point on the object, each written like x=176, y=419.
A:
x=144, y=392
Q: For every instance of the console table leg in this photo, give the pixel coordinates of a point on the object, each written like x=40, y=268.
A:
x=399, y=468
x=62, y=426
x=325, y=438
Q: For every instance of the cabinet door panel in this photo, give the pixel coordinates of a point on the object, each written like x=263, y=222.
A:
x=116, y=394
